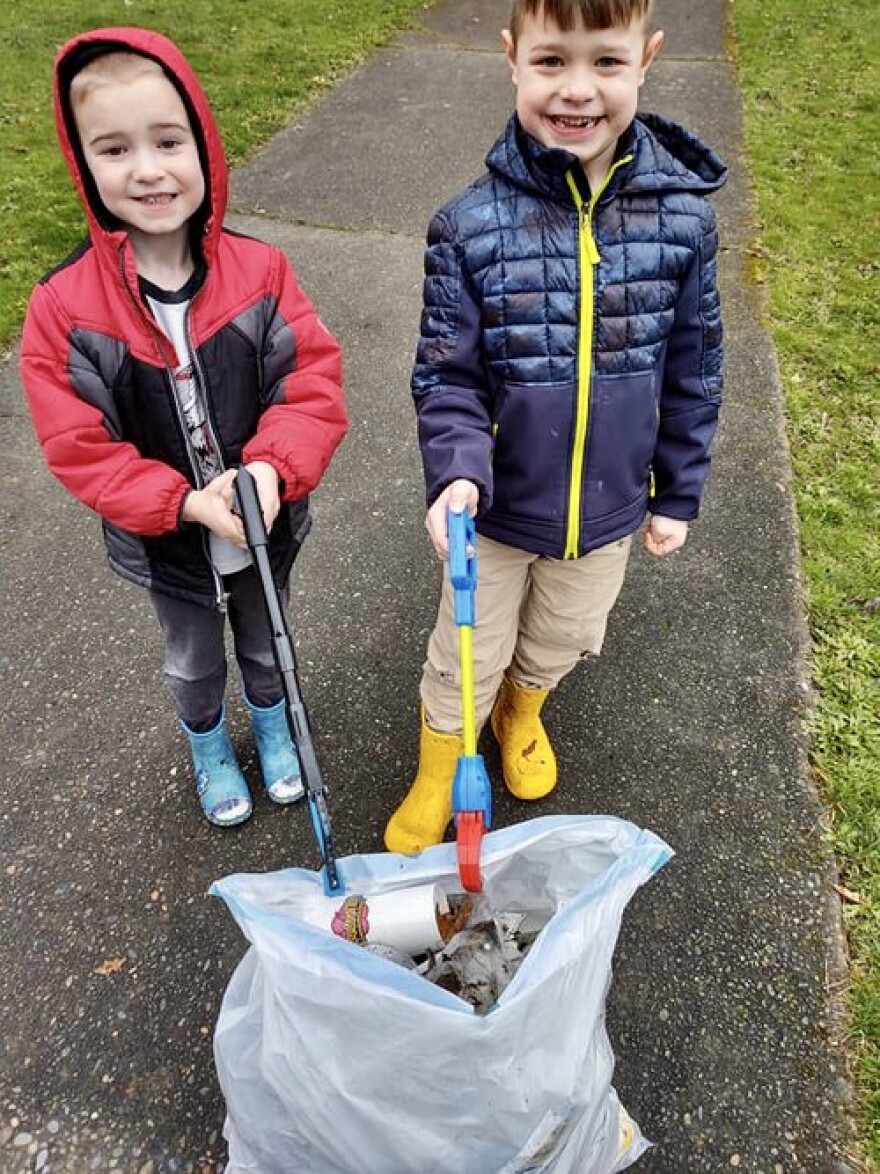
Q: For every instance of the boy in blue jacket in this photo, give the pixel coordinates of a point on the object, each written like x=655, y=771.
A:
x=567, y=380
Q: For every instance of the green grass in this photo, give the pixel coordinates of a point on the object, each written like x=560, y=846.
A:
x=259, y=63
x=810, y=77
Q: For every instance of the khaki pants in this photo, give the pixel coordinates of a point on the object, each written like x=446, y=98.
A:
x=536, y=617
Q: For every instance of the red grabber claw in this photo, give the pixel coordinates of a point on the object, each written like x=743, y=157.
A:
x=471, y=790
x=468, y=837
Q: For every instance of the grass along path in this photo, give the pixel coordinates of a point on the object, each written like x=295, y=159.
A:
x=809, y=72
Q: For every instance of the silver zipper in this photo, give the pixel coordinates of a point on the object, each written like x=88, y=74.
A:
x=221, y=596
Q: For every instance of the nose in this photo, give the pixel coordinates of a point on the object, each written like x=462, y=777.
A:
x=148, y=165
x=579, y=84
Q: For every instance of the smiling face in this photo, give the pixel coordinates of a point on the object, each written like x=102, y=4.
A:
x=139, y=146
x=578, y=89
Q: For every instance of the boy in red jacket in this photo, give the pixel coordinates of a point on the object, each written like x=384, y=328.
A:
x=162, y=354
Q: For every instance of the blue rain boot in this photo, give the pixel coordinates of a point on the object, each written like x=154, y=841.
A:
x=279, y=762
x=223, y=792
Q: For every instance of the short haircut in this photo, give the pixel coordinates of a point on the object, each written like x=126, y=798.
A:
x=114, y=68
x=592, y=14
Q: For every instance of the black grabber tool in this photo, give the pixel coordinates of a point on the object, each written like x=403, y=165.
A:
x=285, y=660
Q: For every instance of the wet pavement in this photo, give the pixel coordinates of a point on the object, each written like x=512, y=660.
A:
x=723, y=1011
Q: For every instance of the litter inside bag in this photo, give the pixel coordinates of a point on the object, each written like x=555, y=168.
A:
x=479, y=960
x=488, y=1054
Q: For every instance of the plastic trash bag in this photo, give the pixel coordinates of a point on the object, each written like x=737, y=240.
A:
x=335, y=1060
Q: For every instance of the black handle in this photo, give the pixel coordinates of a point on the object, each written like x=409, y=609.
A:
x=249, y=508
x=285, y=660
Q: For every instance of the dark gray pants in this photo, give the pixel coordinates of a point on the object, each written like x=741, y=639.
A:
x=195, y=650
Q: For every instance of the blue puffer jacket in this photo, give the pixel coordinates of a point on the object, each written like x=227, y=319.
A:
x=570, y=354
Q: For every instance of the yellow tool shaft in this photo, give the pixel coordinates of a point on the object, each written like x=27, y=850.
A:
x=468, y=717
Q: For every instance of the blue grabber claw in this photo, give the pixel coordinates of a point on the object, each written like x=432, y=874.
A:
x=471, y=789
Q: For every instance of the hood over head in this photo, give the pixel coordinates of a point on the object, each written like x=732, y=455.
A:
x=85, y=47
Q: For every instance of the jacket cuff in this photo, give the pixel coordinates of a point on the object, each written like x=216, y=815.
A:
x=183, y=500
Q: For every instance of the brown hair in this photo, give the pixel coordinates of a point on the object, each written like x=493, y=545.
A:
x=592, y=14
x=108, y=69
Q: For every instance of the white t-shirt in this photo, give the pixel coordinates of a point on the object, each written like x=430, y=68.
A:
x=170, y=313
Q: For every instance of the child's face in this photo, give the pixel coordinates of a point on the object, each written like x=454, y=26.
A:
x=579, y=89
x=140, y=148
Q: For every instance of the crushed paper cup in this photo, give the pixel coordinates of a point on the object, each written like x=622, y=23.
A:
x=405, y=919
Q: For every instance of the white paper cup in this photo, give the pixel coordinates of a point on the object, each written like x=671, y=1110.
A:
x=407, y=918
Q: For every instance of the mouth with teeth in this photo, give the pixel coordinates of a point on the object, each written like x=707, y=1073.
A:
x=570, y=122
x=157, y=201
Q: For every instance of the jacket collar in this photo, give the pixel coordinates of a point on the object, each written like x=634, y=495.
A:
x=664, y=157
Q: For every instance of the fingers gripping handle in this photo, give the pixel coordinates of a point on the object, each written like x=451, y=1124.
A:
x=462, y=566
x=249, y=508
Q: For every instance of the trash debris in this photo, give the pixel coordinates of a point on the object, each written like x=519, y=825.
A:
x=472, y=966
x=391, y=955
x=480, y=960
x=456, y=917
x=480, y=953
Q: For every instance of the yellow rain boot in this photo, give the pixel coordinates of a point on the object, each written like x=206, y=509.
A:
x=423, y=816
x=526, y=754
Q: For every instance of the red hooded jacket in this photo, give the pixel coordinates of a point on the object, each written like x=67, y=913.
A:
x=97, y=368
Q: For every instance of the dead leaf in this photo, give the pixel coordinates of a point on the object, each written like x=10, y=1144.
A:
x=848, y=895
x=110, y=966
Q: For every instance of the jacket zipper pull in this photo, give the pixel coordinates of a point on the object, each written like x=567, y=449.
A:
x=593, y=255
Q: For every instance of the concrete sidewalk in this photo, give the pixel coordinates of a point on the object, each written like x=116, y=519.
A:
x=112, y=965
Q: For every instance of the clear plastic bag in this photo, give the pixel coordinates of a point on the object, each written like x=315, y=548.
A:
x=336, y=1060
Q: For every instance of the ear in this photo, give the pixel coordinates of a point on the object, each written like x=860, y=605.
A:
x=652, y=47
x=510, y=54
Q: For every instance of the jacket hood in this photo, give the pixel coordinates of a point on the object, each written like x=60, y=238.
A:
x=666, y=157
x=671, y=158
x=82, y=49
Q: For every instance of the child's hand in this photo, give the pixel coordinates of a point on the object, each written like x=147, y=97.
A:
x=458, y=496
x=267, y=490
x=664, y=535
x=212, y=507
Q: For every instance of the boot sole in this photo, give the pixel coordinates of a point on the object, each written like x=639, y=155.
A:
x=228, y=823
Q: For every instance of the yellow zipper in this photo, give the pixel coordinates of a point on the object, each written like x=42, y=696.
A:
x=588, y=258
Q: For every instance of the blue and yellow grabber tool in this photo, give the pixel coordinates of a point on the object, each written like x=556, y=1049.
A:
x=471, y=789
x=285, y=662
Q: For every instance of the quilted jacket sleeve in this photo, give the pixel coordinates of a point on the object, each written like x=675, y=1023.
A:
x=302, y=363
x=70, y=404
x=448, y=383
x=691, y=396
